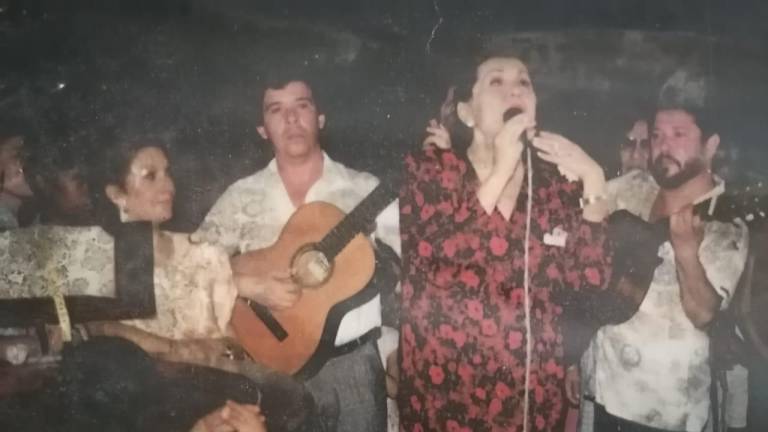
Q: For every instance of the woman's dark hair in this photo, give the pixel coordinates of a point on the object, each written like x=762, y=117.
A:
x=460, y=90
x=111, y=168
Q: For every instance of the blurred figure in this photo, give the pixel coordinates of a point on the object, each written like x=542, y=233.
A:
x=14, y=189
x=634, y=150
x=58, y=181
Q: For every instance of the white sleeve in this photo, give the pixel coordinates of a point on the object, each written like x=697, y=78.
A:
x=388, y=226
x=723, y=255
x=220, y=226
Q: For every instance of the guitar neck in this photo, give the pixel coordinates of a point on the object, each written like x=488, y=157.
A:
x=359, y=220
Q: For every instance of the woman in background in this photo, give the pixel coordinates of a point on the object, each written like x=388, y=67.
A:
x=195, y=290
x=14, y=188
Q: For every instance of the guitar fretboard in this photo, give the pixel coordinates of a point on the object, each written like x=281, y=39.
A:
x=359, y=220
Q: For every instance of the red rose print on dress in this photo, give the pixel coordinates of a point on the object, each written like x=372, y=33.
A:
x=474, y=309
x=498, y=246
x=514, y=340
x=436, y=374
x=462, y=343
x=488, y=327
x=494, y=408
x=425, y=249
x=427, y=211
x=593, y=276
x=469, y=278
x=449, y=247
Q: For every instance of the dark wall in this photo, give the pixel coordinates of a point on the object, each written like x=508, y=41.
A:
x=191, y=70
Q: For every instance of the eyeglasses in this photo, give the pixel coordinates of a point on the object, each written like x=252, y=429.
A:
x=633, y=143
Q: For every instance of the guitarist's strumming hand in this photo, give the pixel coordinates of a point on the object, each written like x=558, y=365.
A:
x=276, y=291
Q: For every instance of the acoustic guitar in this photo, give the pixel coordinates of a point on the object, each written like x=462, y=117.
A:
x=330, y=257
x=636, y=243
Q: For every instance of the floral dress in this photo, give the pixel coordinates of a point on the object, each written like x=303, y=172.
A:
x=463, y=337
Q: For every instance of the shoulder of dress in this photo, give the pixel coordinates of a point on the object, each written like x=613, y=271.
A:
x=434, y=159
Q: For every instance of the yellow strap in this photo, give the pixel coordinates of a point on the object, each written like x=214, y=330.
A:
x=52, y=279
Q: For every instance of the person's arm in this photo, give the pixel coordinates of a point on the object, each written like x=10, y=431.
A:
x=202, y=352
x=149, y=342
x=275, y=290
x=576, y=164
x=699, y=295
x=507, y=171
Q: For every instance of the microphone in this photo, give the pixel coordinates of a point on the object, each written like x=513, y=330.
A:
x=540, y=163
x=508, y=114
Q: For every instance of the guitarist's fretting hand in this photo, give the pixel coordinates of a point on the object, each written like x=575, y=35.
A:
x=686, y=232
x=276, y=291
x=699, y=299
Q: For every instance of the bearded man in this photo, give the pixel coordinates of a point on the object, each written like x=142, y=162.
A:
x=651, y=373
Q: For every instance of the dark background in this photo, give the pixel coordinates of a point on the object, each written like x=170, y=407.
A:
x=191, y=70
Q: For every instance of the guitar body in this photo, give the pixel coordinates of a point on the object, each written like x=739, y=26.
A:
x=635, y=258
x=304, y=323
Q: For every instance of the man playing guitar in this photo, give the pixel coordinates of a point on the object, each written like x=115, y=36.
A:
x=652, y=371
x=251, y=214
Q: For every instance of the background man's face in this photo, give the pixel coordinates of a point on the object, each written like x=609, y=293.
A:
x=634, y=150
x=14, y=180
x=291, y=121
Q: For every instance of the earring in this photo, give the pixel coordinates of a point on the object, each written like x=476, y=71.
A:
x=121, y=206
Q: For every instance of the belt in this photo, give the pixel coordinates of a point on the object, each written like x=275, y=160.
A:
x=352, y=345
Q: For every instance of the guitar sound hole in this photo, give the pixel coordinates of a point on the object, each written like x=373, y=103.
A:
x=310, y=267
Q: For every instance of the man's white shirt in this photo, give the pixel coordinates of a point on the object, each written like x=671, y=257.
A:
x=653, y=369
x=253, y=211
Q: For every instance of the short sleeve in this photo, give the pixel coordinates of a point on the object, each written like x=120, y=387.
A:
x=220, y=225
x=723, y=255
x=223, y=288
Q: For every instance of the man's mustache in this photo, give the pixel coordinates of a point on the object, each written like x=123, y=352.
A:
x=661, y=158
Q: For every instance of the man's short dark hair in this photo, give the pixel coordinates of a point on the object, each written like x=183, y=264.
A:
x=694, y=93
x=276, y=81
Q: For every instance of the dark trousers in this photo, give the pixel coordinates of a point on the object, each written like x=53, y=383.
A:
x=350, y=390
x=757, y=411
x=607, y=422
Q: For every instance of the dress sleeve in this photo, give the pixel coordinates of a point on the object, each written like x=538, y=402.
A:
x=416, y=204
x=223, y=289
x=587, y=268
x=587, y=254
x=408, y=229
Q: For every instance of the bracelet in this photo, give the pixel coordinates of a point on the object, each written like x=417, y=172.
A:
x=591, y=199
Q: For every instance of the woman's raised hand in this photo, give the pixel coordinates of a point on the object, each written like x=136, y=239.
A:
x=508, y=143
x=572, y=161
x=437, y=135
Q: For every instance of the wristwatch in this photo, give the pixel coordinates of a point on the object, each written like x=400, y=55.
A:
x=591, y=199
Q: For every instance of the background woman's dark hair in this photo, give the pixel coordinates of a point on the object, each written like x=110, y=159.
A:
x=111, y=167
